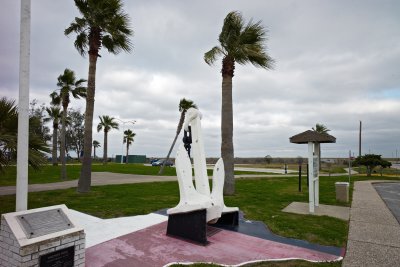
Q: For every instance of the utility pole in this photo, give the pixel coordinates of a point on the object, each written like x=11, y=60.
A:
x=359, y=141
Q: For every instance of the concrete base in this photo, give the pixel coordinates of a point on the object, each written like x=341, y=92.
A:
x=342, y=213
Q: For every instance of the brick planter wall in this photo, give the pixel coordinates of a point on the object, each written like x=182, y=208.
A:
x=12, y=254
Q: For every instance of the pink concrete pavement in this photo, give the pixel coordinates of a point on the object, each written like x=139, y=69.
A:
x=151, y=247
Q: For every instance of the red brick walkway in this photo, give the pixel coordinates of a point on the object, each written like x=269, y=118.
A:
x=151, y=247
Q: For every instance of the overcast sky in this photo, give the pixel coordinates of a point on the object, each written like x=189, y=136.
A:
x=337, y=62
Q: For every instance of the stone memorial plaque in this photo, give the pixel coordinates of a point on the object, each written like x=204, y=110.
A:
x=44, y=222
x=60, y=258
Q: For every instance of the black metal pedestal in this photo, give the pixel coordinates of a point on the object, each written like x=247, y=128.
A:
x=190, y=225
x=228, y=219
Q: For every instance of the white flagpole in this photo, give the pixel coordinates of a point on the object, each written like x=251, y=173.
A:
x=23, y=108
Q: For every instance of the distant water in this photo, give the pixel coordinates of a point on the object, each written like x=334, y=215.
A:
x=396, y=165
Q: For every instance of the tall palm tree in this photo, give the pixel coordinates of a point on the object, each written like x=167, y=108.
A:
x=68, y=85
x=320, y=128
x=184, y=105
x=128, y=139
x=54, y=114
x=242, y=44
x=106, y=124
x=103, y=24
x=96, y=144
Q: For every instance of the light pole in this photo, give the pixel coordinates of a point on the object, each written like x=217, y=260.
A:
x=123, y=128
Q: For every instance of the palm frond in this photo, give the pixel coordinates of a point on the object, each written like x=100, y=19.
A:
x=55, y=98
x=107, y=123
x=117, y=43
x=185, y=104
x=242, y=43
x=129, y=136
x=83, y=6
x=8, y=136
x=211, y=56
x=108, y=18
x=231, y=30
x=82, y=43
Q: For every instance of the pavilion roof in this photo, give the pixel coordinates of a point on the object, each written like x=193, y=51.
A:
x=312, y=136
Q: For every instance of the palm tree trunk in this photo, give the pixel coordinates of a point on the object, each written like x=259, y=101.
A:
x=85, y=178
x=94, y=152
x=54, y=152
x=105, y=148
x=227, y=152
x=62, y=149
x=127, y=151
x=178, y=131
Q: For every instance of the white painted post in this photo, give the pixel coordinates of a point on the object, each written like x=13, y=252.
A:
x=316, y=174
x=23, y=108
x=199, y=158
x=311, y=176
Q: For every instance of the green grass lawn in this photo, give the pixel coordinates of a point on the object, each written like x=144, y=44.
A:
x=51, y=174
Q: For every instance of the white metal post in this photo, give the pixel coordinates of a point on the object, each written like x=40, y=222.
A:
x=23, y=108
x=311, y=176
x=316, y=174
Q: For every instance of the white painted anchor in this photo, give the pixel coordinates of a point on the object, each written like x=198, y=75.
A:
x=199, y=197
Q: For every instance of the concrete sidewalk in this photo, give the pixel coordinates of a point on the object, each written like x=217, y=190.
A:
x=374, y=232
x=98, y=178
x=109, y=178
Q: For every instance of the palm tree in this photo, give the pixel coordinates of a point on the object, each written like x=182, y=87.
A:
x=96, y=144
x=242, y=44
x=184, y=105
x=68, y=85
x=320, y=128
x=106, y=124
x=128, y=139
x=8, y=137
x=54, y=114
x=103, y=23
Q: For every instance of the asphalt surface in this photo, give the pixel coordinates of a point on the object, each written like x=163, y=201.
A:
x=390, y=193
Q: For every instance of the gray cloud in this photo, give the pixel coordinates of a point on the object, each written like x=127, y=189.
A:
x=336, y=64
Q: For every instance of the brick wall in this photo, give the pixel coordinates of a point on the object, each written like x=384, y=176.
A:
x=13, y=255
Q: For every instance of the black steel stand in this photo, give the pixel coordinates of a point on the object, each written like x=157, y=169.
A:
x=228, y=219
x=191, y=226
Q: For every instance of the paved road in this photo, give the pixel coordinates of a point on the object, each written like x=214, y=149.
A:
x=390, y=193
